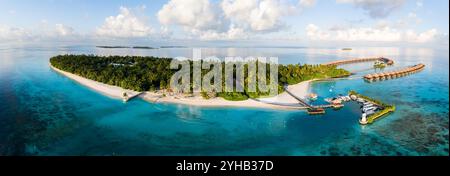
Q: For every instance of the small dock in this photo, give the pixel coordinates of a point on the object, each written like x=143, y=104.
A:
x=394, y=74
x=312, y=110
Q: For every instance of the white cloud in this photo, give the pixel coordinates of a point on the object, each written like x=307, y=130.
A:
x=42, y=32
x=227, y=19
x=314, y=33
x=8, y=33
x=257, y=15
x=376, y=8
x=232, y=33
x=125, y=24
x=419, y=4
x=191, y=14
x=423, y=37
x=412, y=18
x=381, y=33
x=165, y=32
x=63, y=30
x=307, y=3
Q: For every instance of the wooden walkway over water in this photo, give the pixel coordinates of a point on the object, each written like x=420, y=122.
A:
x=394, y=74
x=304, y=103
x=385, y=75
x=357, y=60
x=300, y=100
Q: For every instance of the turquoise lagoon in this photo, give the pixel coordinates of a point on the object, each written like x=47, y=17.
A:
x=44, y=113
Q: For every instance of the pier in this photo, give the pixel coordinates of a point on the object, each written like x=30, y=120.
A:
x=394, y=74
x=357, y=60
x=373, y=110
x=312, y=110
x=300, y=100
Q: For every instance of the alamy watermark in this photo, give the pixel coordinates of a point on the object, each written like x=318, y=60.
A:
x=231, y=74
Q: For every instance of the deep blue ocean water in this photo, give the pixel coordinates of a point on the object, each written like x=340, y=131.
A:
x=44, y=113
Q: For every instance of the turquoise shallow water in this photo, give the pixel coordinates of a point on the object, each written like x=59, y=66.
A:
x=44, y=113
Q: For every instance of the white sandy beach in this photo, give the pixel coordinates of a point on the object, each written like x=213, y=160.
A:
x=213, y=102
x=277, y=102
x=105, y=89
x=301, y=90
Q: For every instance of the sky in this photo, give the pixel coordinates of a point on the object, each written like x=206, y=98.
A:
x=290, y=22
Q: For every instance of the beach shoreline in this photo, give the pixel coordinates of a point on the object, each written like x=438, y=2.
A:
x=114, y=92
x=281, y=101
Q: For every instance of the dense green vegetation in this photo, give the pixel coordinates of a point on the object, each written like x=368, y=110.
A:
x=151, y=73
x=379, y=65
x=112, y=47
x=387, y=108
x=293, y=74
x=129, y=72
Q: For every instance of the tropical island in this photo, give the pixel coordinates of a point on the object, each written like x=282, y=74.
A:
x=149, y=78
x=118, y=47
x=173, y=47
x=112, y=47
x=143, y=47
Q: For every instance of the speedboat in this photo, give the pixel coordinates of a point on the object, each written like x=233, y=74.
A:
x=369, y=109
x=312, y=96
x=316, y=111
x=370, y=113
x=360, y=100
x=367, y=103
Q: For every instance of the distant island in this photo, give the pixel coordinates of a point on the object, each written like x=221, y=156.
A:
x=151, y=75
x=347, y=49
x=173, y=47
x=112, y=46
x=143, y=47
x=133, y=47
x=137, y=47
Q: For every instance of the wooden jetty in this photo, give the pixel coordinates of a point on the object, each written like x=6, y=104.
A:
x=394, y=74
x=312, y=110
x=356, y=60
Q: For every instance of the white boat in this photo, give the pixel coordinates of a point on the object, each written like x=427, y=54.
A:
x=312, y=96
x=347, y=98
x=369, y=109
x=370, y=112
x=367, y=104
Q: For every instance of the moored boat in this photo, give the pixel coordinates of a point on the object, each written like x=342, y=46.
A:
x=312, y=96
x=316, y=111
